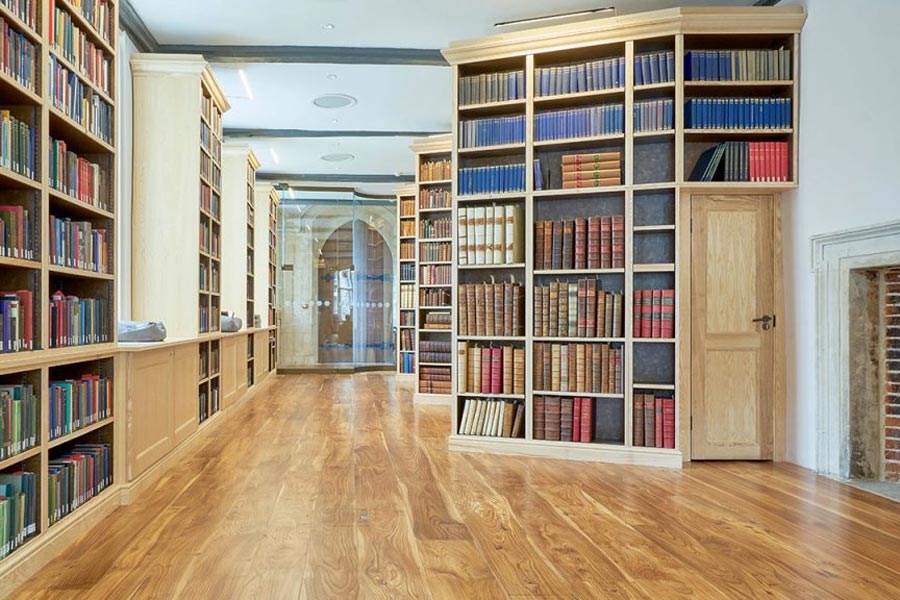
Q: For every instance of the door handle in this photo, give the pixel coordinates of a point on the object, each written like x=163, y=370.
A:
x=767, y=321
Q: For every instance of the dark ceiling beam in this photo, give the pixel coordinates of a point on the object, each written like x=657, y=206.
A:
x=239, y=132
x=312, y=54
x=335, y=178
x=137, y=30
x=766, y=2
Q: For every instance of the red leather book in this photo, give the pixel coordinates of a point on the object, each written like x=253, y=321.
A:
x=647, y=314
x=649, y=421
x=637, y=420
x=667, y=310
x=539, y=246
x=499, y=309
x=576, y=420
x=552, y=417
x=508, y=303
x=601, y=329
x=754, y=155
x=539, y=417
x=618, y=242
x=656, y=314
x=605, y=242
x=497, y=370
x=658, y=410
x=593, y=242
x=479, y=309
x=489, y=313
x=486, y=362
x=587, y=420
x=518, y=306
x=580, y=243
x=668, y=422
x=566, y=406
x=556, y=243
x=637, y=311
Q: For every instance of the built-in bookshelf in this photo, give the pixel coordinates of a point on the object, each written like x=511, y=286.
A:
x=579, y=162
x=433, y=269
x=252, y=166
x=407, y=358
x=58, y=270
x=210, y=247
x=272, y=280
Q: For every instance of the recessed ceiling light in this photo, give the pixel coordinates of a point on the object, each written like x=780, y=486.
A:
x=337, y=157
x=332, y=76
x=328, y=26
x=334, y=101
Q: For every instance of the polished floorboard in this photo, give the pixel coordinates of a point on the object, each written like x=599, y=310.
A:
x=335, y=486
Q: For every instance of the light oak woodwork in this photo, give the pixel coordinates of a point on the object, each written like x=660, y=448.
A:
x=260, y=353
x=185, y=374
x=732, y=361
x=232, y=355
x=150, y=418
x=354, y=495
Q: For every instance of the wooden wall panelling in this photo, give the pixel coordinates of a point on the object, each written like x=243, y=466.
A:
x=150, y=425
x=185, y=374
x=233, y=368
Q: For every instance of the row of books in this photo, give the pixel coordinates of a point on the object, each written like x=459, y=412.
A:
x=82, y=179
x=437, y=321
x=209, y=200
x=209, y=281
x=493, y=131
x=654, y=67
x=18, y=509
x=97, y=13
x=435, y=351
x=491, y=87
x=77, y=403
x=78, y=321
x=18, y=144
x=20, y=58
x=436, y=228
x=408, y=207
x=16, y=321
x=435, y=275
x=434, y=297
x=737, y=113
x=435, y=170
x=407, y=339
x=497, y=179
x=653, y=421
x=407, y=363
x=19, y=411
x=491, y=235
x=74, y=478
x=25, y=10
x=581, y=77
x=737, y=65
x=563, y=419
x=407, y=272
x=70, y=96
x=596, y=242
x=407, y=250
x=16, y=232
x=210, y=171
x=493, y=418
x=77, y=244
x=435, y=251
x=758, y=162
x=408, y=318
x=407, y=295
x=435, y=380
x=434, y=198
x=577, y=309
x=491, y=309
x=209, y=399
x=407, y=228
x=589, y=368
x=490, y=370
x=591, y=170
x=589, y=121
x=77, y=48
x=209, y=241
x=654, y=313
x=654, y=115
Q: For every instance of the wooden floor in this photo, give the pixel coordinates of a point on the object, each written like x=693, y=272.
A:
x=336, y=487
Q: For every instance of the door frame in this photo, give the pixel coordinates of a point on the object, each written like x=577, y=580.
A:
x=685, y=326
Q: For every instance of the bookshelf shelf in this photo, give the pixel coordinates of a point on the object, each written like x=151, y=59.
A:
x=76, y=206
x=436, y=262
x=583, y=340
x=79, y=432
x=593, y=191
x=491, y=107
x=434, y=364
x=578, y=271
x=83, y=507
x=20, y=25
x=647, y=87
x=579, y=394
x=431, y=308
x=655, y=268
x=12, y=461
x=490, y=267
x=649, y=135
x=638, y=340
x=487, y=395
x=568, y=99
x=17, y=92
x=434, y=210
x=491, y=338
x=578, y=142
x=74, y=131
x=740, y=84
x=444, y=239
x=653, y=386
x=652, y=228
x=491, y=197
x=12, y=179
x=497, y=150
x=7, y=261
x=72, y=272
x=737, y=132
x=436, y=182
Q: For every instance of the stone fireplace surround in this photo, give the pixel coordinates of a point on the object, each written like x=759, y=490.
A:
x=838, y=260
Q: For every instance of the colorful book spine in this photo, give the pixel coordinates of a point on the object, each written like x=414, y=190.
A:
x=433, y=198
x=25, y=10
x=494, y=131
x=78, y=245
x=498, y=179
x=77, y=403
x=491, y=370
x=18, y=143
x=653, y=420
x=75, y=100
x=591, y=121
x=588, y=76
x=654, y=115
x=18, y=509
x=76, y=321
x=435, y=170
x=76, y=47
x=737, y=65
x=17, y=232
x=600, y=371
x=20, y=58
x=492, y=417
x=19, y=412
x=435, y=275
x=435, y=228
x=576, y=309
x=487, y=88
x=758, y=162
x=737, y=113
x=654, y=67
x=75, y=478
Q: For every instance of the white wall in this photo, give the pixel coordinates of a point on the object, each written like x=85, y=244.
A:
x=849, y=166
x=124, y=129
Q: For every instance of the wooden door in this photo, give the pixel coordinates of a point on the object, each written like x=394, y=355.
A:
x=732, y=357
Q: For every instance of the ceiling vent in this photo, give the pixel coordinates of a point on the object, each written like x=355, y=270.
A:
x=334, y=101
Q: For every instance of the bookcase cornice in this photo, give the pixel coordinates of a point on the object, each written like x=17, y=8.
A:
x=744, y=20
x=405, y=190
x=171, y=64
x=433, y=144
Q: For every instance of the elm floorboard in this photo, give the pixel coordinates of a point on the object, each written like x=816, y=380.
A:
x=336, y=486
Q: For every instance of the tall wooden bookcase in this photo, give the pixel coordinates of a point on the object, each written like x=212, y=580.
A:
x=266, y=259
x=654, y=195
x=406, y=276
x=433, y=255
x=62, y=174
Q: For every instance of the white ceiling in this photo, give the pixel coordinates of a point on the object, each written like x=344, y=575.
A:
x=389, y=98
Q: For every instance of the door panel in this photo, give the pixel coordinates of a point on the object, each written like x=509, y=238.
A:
x=151, y=410
x=184, y=391
x=732, y=357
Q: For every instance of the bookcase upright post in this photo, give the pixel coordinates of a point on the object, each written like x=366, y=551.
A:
x=407, y=356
